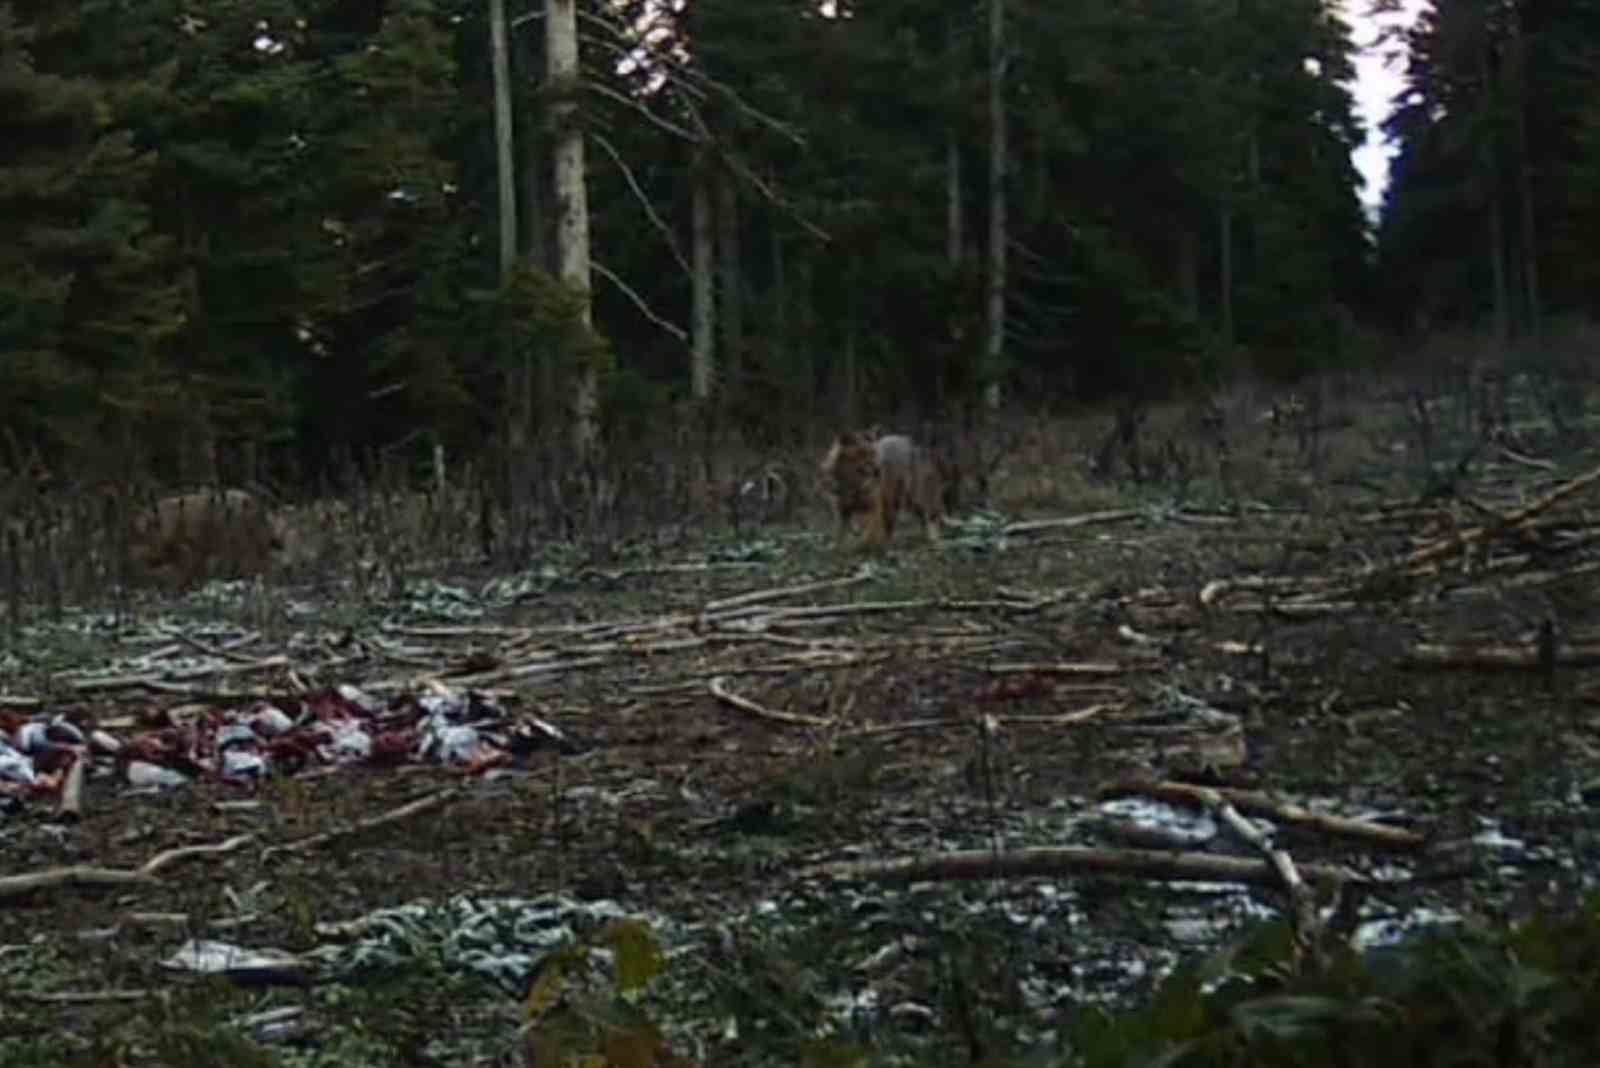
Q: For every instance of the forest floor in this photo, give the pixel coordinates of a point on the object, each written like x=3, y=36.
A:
x=1372, y=655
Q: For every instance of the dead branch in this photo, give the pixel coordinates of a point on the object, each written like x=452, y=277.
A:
x=1255, y=803
x=716, y=608
x=1217, y=589
x=719, y=690
x=489, y=678
x=1521, y=657
x=638, y=300
x=13, y=886
x=81, y=997
x=172, y=856
x=1033, y=526
x=1302, y=906
x=71, y=803
x=1073, y=860
x=394, y=815
x=1064, y=719
x=1086, y=667
x=1463, y=539
x=1526, y=461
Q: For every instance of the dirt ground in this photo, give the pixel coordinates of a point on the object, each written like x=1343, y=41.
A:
x=974, y=695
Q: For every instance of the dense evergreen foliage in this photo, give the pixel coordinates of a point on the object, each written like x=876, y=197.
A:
x=258, y=238
x=1493, y=217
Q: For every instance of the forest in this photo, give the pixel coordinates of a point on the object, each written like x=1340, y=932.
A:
x=262, y=241
x=433, y=624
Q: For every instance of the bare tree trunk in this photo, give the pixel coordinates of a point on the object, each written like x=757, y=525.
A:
x=1497, y=265
x=504, y=169
x=571, y=201
x=780, y=302
x=1225, y=276
x=1188, y=268
x=731, y=307
x=530, y=186
x=994, y=346
x=1529, y=244
x=852, y=406
x=517, y=403
x=702, y=367
x=1496, y=221
x=953, y=237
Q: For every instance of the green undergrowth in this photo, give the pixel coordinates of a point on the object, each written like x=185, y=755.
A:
x=1526, y=994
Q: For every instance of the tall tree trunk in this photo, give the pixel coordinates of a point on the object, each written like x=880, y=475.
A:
x=780, y=302
x=530, y=171
x=953, y=237
x=994, y=346
x=517, y=403
x=1489, y=159
x=731, y=306
x=702, y=366
x=1529, y=243
x=571, y=201
x=504, y=169
x=1497, y=265
x=804, y=324
x=852, y=407
x=1225, y=276
x=1187, y=265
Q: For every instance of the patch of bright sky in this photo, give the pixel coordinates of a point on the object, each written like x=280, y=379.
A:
x=1380, y=69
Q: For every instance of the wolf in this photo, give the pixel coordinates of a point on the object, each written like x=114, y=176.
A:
x=189, y=537
x=874, y=475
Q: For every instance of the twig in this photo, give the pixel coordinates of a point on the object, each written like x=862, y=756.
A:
x=719, y=690
x=1500, y=657
x=81, y=997
x=172, y=856
x=1064, y=719
x=715, y=608
x=638, y=301
x=1086, y=667
x=395, y=815
x=1031, y=526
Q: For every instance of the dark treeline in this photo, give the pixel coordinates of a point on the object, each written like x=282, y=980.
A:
x=1492, y=219
x=258, y=239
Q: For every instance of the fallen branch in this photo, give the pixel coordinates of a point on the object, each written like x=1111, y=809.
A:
x=1072, y=860
x=1032, y=526
x=1063, y=719
x=81, y=997
x=713, y=608
x=1302, y=905
x=1462, y=539
x=720, y=691
x=1086, y=667
x=12, y=886
x=71, y=803
x=1256, y=803
x=395, y=815
x=1499, y=657
x=172, y=856
x=1216, y=589
x=1534, y=462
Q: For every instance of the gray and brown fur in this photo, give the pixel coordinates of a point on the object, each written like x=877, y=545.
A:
x=191, y=537
x=874, y=476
